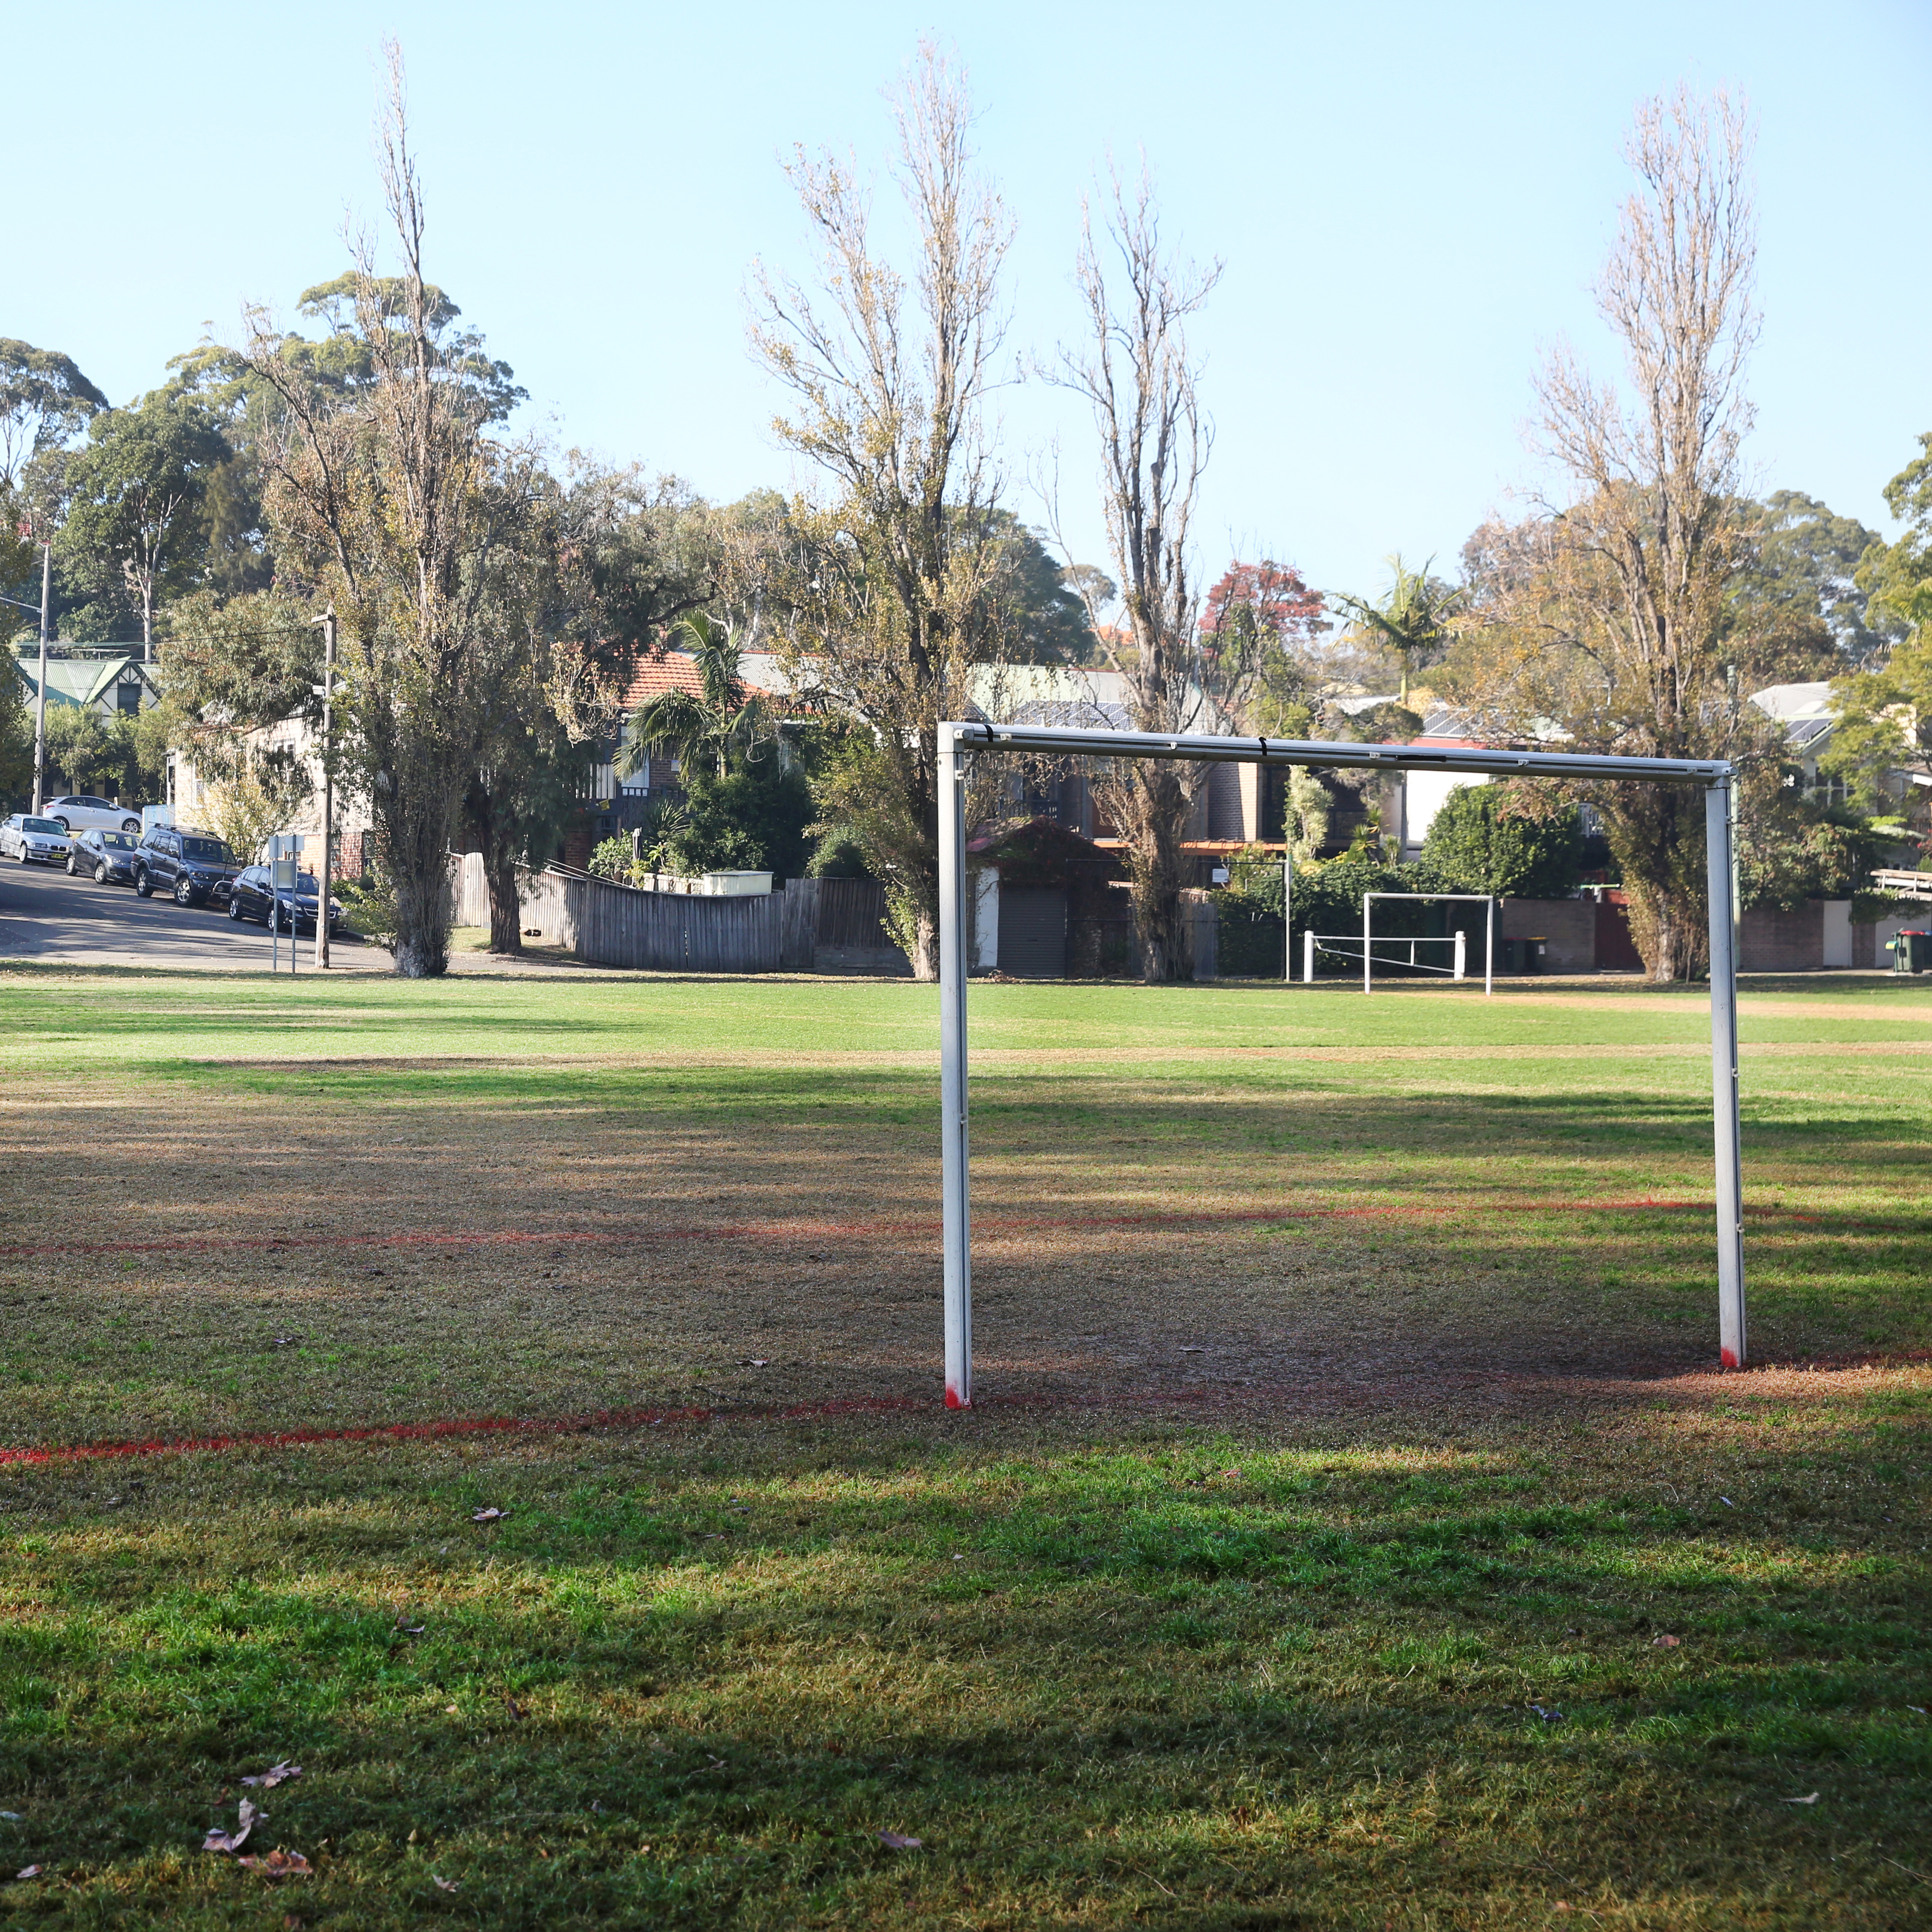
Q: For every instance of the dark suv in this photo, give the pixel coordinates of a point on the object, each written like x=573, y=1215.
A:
x=197, y=867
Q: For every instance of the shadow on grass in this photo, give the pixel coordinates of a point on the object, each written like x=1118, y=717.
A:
x=1143, y=1677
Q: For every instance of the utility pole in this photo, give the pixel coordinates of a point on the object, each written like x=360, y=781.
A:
x=328, y=622
x=40, y=696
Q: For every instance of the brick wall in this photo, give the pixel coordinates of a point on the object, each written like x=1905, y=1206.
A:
x=1568, y=925
x=1771, y=941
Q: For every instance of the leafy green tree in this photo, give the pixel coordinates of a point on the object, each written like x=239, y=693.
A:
x=44, y=401
x=1797, y=611
x=753, y=819
x=133, y=529
x=1885, y=712
x=105, y=755
x=230, y=670
x=1476, y=843
x=1031, y=607
x=16, y=739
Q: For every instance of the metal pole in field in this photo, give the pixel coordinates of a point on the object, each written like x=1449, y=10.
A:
x=1308, y=959
x=1720, y=810
x=958, y=1238
x=1461, y=954
x=40, y=695
x=1490, y=951
x=1287, y=909
x=327, y=875
x=1368, y=984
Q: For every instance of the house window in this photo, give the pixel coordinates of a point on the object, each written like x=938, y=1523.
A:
x=127, y=697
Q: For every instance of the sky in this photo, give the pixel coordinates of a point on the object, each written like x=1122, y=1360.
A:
x=1411, y=203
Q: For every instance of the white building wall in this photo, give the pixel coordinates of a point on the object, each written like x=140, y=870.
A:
x=1423, y=794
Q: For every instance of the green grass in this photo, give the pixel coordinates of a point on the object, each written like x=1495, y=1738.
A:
x=1257, y=1643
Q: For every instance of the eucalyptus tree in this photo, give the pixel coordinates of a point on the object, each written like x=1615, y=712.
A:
x=888, y=578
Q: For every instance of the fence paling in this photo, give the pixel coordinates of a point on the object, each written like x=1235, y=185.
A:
x=611, y=924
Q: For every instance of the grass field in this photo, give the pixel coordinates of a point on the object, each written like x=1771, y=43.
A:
x=1349, y=1456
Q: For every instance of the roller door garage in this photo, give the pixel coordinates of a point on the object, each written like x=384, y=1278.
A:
x=1032, y=932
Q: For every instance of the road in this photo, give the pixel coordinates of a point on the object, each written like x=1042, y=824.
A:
x=45, y=915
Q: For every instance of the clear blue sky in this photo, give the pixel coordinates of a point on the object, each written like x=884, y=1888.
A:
x=1411, y=200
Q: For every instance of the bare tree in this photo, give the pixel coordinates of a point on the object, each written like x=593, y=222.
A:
x=891, y=576
x=1636, y=565
x=391, y=497
x=1135, y=370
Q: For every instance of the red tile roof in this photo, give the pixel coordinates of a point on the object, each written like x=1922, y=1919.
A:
x=675, y=670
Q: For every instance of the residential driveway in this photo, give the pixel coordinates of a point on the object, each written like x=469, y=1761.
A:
x=45, y=915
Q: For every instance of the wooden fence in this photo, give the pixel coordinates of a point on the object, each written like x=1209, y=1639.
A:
x=851, y=914
x=609, y=925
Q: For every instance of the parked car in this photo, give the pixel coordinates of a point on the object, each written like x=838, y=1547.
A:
x=105, y=857
x=79, y=813
x=281, y=909
x=26, y=838
x=197, y=867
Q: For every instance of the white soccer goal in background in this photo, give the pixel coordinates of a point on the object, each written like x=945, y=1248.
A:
x=1315, y=942
x=959, y=742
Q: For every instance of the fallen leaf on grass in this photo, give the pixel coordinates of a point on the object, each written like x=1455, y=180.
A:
x=1193, y=1348
x=893, y=1842
x=1810, y=1798
x=488, y=1515
x=1665, y=1643
x=279, y=1864
x=27, y=1871
x=275, y=1774
x=444, y=1884
x=516, y=1710
x=219, y=1840
x=287, y=1341
x=757, y=1362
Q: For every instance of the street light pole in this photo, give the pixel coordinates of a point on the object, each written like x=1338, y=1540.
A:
x=40, y=695
x=328, y=622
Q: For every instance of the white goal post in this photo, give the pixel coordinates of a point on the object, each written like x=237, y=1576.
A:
x=958, y=741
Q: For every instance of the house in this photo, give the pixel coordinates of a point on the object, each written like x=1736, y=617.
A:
x=111, y=679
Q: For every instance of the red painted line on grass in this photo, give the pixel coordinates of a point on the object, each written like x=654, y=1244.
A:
x=620, y=1419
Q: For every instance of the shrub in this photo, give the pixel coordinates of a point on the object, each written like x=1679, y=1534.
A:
x=1478, y=844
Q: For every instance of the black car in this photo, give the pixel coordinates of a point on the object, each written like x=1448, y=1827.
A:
x=107, y=858
x=197, y=867
x=280, y=908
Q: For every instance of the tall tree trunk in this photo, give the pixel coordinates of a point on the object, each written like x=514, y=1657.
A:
x=496, y=838
x=415, y=824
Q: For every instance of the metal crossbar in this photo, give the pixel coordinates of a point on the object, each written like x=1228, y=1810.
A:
x=959, y=741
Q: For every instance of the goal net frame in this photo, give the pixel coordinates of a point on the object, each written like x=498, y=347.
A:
x=959, y=741
x=1411, y=940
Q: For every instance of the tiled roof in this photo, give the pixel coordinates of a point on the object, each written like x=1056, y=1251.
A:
x=677, y=670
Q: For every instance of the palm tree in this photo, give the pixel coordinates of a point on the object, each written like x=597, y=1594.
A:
x=711, y=719
x=1415, y=618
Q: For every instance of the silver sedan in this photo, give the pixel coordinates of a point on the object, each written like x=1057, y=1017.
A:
x=34, y=841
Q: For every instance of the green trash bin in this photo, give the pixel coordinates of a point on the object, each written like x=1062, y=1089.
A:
x=1911, y=951
x=1523, y=956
